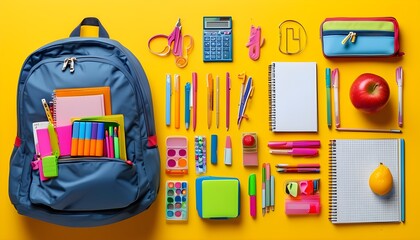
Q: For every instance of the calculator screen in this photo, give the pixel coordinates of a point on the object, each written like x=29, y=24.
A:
x=218, y=24
x=217, y=39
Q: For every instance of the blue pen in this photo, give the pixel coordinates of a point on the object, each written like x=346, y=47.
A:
x=213, y=149
x=187, y=105
x=168, y=99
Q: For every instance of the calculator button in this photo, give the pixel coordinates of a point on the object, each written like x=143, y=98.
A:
x=206, y=44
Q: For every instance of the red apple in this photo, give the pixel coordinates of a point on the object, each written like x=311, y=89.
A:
x=369, y=93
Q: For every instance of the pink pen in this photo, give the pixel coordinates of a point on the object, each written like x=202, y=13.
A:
x=308, y=152
x=336, y=100
x=294, y=144
x=227, y=100
x=194, y=86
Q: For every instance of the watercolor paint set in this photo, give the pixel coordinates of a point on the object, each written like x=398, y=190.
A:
x=176, y=200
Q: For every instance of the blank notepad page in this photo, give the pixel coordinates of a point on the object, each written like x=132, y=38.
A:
x=293, y=97
x=66, y=108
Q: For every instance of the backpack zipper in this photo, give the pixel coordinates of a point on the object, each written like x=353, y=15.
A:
x=69, y=62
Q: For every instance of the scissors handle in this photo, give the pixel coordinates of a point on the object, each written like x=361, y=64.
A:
x=162, y=53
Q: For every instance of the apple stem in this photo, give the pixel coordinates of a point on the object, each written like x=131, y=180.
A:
x=374, y=87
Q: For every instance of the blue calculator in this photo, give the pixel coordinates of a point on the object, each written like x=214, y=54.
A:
x=217, y=39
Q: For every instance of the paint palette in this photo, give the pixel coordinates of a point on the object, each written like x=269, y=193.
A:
x=176, y=155
x=176, y=200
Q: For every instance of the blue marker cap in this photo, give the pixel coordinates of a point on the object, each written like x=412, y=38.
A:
x=82, y=129
x=75, y=133
x=101, y=131
x=88, y=130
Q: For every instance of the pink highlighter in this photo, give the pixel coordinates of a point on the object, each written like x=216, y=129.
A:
x=252, y=192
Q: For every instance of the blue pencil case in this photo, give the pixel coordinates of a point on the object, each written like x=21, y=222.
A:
x=360, y=37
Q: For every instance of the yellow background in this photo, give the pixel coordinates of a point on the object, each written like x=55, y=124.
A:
x=27, y=25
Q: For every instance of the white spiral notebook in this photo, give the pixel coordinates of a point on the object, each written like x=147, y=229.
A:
x=351, y=163
x=293, y=97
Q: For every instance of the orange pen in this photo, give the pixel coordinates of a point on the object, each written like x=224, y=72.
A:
x=88, y=135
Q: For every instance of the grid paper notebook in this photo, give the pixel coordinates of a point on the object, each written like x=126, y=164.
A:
x=293, y=97
x=351, y=199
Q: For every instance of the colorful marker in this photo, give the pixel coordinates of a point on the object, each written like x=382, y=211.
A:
x=252, y=192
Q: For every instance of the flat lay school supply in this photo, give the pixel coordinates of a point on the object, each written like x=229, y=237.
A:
x=360, y=37
x=210, y=99
x=399, y=80
x=210, y=204
x=217, y=39
x=217, y=99
x=293, y=37
x=267, y=189
x=228, y=86
x=176, y=200
x=188, y=104
x=194, y=97
x=228, y=151
x=88, y=191
x=252, y=192
x=294, y=144
x=246, y=93
x=110, y=122
x=180, y=46
x=255, y=43
x=249, y=149
x=303, y=197
x=213, y=158
x=293, y=97
x=335, y=84
x=168, y=88
x=328, y=83
x=85, y=91
x=66, y=108
x=369, y=130
x=176, y=155
x=177, y=90
x=200, y=150
x=351, y=163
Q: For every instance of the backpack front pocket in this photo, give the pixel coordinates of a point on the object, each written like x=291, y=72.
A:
x=87, y=185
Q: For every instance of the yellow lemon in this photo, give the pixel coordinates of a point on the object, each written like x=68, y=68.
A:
x=380, y=180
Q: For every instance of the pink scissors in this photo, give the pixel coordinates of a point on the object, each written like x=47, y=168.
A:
x=175, y=43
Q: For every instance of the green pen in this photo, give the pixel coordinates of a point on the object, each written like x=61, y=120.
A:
x=116, y=143
x=328, y=80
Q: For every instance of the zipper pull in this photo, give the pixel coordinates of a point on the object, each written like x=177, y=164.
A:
x=72, y=60
x=347, y=38
x=65, y=64
x=353, y=38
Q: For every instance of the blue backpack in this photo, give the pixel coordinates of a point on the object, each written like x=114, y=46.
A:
x=88, y=191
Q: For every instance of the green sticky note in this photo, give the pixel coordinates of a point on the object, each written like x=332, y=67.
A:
x=50, y=166
x=220, y=198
